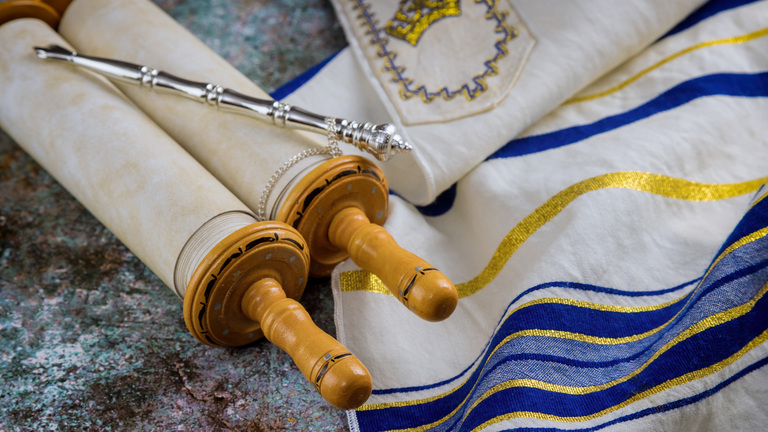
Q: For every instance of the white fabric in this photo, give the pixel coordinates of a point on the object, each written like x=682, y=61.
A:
x=575, y=42
x=683, y=138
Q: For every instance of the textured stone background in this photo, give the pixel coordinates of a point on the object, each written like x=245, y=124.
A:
x=90, y=338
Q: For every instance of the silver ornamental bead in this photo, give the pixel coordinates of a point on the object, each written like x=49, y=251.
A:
x=382, y=141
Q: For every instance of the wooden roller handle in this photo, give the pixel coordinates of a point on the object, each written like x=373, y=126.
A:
x=423, y=289
x=338, y=375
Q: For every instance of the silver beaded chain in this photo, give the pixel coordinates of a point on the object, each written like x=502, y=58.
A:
x=331, y=149
x=333, y=142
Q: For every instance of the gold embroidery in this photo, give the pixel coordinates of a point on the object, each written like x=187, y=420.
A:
x=414, y=17
x=727, y=41
x=652, y=183
x=473, y=88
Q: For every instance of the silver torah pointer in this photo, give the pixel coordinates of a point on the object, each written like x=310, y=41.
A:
x=382, y=141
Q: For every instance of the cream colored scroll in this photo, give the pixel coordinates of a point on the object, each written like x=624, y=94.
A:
x=119, y=164
x=242, y=152
x=249, y=155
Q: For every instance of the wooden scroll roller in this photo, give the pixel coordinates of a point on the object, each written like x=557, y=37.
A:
x=339, y=208
x=238, y=293
x=239, y=278
x=337, y=203
x=48, y=11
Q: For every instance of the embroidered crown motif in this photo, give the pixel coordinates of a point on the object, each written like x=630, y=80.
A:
x=414, y=17
x=466, y=65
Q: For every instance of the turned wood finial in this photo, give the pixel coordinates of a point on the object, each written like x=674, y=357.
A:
x=339, y=208
x=422, y=288
x=338, y=375
x=247, y=287
x=49, y=11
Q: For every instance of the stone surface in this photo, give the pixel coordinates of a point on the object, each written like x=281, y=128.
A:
x=91, y=339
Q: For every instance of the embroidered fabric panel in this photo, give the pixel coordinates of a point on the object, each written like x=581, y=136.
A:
x=412, y=49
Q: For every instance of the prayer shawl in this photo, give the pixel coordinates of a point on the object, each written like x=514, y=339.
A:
x=608, y=240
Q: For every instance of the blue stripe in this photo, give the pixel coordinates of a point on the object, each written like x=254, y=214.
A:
x=755, y=220
x=738, y=85
x=441, y=204
x=481, y=380
x=699, y=351
x=291, y=86
x=576, y=319
x=584, y=355
x=567, y=285
x=661, y=408
x=733, y=279
x=703, y=350
x=726, y=84
x=709, y=9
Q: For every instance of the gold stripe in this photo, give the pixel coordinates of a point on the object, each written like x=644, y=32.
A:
x=669, y=187
x=705, y=324
x=737, y=244
x=587, y=338
x=727, y=41
x=596, y=306
x=552, y=333
x=700, y=326
x=674, y=382
x=627, y=339
x=361, y=280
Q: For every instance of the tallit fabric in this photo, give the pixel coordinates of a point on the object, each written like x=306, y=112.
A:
x=475, y=79
x=611, y=260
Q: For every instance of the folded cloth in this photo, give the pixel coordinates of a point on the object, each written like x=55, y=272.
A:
x=612, y=261
x=461, y=78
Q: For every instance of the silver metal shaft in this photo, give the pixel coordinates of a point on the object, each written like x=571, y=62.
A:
x=382, y=141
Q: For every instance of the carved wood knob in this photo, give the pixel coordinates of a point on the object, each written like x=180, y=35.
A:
x=246, y=287
x=422, y=288
x=337, y=374
x=48, y=11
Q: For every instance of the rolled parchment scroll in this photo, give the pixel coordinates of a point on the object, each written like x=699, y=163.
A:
x=134, y=178
x=249, y=156
x=238, y=278
x=241, y=152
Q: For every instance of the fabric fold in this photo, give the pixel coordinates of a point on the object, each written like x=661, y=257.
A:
x=610, y=260
x=463, y=78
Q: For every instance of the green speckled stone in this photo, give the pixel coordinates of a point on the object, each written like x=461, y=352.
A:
x=90, y=338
